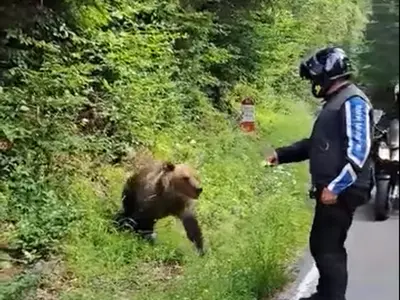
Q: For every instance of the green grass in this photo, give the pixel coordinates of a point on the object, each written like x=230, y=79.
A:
x=254, y=219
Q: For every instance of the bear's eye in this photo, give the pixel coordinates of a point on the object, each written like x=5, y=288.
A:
x=187, y=178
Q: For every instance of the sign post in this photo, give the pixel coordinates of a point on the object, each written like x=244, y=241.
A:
x=247, y=120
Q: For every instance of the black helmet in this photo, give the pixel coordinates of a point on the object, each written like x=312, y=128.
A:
x=324, y=67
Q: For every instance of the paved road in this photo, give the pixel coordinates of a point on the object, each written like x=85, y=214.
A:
x=373, y=249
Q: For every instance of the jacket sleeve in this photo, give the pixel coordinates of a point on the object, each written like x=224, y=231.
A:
x=357, y=135
x=296, y=152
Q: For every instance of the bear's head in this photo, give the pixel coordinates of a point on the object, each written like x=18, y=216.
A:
x=183, y=180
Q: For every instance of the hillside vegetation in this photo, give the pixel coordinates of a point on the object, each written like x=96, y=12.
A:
x=85, y=84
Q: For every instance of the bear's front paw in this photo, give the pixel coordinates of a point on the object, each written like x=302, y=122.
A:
x=201, y=251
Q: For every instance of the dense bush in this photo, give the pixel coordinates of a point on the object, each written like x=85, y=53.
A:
x=86, y=82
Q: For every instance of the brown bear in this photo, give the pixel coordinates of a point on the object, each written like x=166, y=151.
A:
x=158, y=190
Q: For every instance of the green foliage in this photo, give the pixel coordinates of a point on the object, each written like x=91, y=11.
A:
x=23, y=287
x=381, y=58
x=85, y=82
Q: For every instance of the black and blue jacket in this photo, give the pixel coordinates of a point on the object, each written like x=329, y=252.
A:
x=339, y=146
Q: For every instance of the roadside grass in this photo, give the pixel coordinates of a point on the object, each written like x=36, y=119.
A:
x=254, y=219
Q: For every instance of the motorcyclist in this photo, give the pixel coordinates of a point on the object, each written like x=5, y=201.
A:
x=338, y=151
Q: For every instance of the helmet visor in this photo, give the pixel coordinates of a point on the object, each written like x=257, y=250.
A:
x=311, y=68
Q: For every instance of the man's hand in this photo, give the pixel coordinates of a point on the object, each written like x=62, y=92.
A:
x=327, y=197
x=272, y=160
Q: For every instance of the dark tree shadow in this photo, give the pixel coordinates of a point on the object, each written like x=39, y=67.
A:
x=379, y=64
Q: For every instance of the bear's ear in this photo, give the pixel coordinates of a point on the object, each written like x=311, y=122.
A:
x=168, y=166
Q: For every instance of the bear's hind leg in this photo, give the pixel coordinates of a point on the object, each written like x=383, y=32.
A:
x=124, y=218
x=121, y=222
x=145, y=229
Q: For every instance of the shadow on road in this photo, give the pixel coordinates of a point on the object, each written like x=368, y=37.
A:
x=365, y=213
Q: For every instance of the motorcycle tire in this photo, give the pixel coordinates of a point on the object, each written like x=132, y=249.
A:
x=382, y=206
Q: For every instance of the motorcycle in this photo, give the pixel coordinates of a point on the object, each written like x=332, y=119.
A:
x=385, y=156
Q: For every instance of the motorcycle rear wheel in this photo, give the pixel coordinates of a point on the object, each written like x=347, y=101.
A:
x=382, y=207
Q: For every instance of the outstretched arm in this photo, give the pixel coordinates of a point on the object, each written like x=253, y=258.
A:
x=296, y=152
x=193, y=230
x=356, y=113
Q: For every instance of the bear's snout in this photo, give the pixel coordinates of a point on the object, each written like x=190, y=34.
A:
x=199, y=191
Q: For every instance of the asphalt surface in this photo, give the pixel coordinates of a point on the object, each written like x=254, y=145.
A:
x=373, y=249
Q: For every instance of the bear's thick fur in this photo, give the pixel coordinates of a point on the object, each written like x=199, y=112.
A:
x=160, y=189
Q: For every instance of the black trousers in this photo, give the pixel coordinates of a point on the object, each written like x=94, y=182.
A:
x=328, y=235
